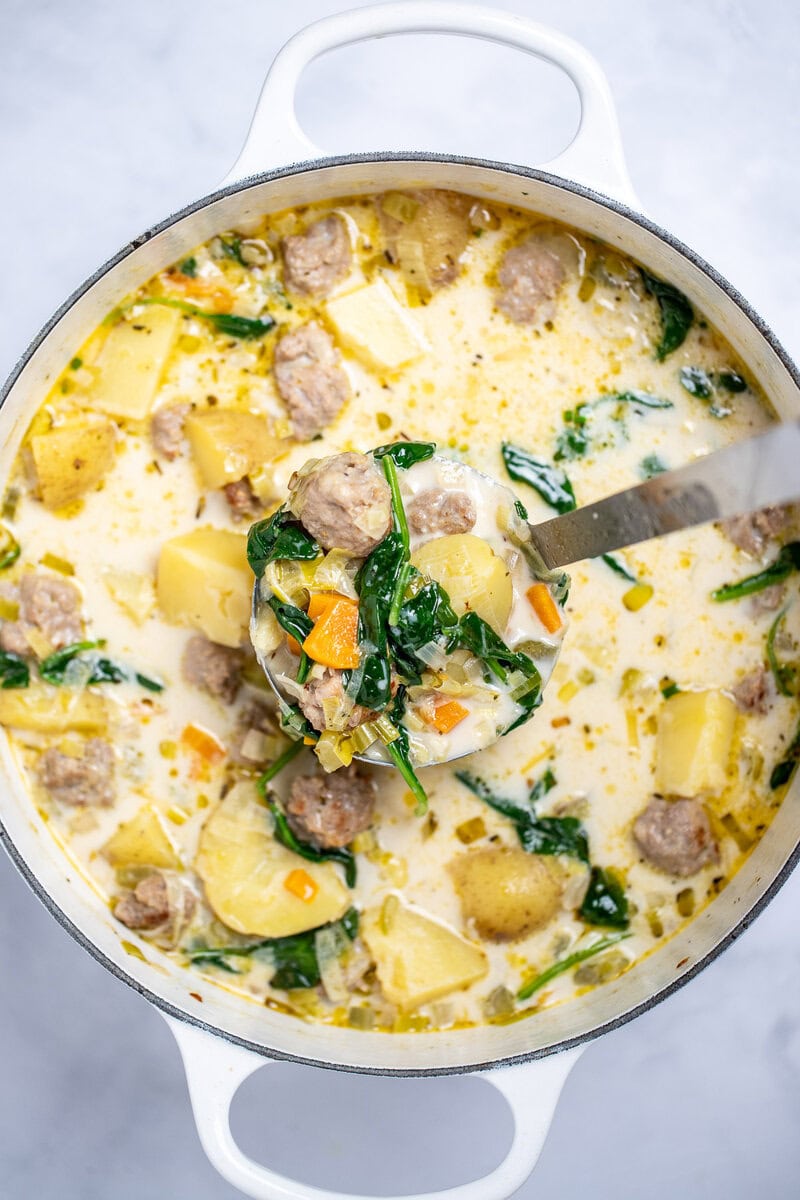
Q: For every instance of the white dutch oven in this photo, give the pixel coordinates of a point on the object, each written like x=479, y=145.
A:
x=224, y=1039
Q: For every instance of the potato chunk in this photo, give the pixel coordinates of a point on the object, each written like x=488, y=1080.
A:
x=417, y=958
x=48, y=709
x=376, y=327
x=228, y=444
x=693, y=745
x=473, y=576
x=204, y=581
x=70, y=460
x=245, y=870
x=131, y=363
x=507, y=892
x=143, y=842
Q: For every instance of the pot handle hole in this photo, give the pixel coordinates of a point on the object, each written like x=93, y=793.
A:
x=593, y=158
x=215, y=1069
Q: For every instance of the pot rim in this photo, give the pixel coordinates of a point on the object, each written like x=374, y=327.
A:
x=296, y=169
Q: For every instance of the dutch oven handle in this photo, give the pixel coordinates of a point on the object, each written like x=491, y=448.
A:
x=215, y=1069
x=593, y=158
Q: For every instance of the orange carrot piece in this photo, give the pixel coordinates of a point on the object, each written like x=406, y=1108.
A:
x=318, y=605
x=203, y=743
x=216, y=299
x=544, y=606
x=445, y=717
x=320, y=602
x=333, y=641
x=300, y=884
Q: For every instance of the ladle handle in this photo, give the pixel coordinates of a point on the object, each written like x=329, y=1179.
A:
x=742, y=478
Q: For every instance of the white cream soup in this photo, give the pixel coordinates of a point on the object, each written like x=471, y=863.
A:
x=570, y=847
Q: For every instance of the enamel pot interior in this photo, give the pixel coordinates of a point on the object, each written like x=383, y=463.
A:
x=70, y=897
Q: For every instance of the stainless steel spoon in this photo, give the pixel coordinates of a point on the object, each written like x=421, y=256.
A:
x=742, y=478
x=750, y=475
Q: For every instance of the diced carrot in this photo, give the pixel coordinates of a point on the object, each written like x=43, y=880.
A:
x=320, y=602
x=445, y=717
x=544, y=606
x=300, y=884
x=318, y=605
x=217, y=298
x=203, y=743
x=333, y=641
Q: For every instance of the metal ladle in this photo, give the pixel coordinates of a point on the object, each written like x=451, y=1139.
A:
x=750, y=475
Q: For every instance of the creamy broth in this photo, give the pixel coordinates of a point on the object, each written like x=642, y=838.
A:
x=659, y=689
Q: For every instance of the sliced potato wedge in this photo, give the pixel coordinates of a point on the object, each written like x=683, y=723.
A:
x=48, y=709
x=245, y=872
x=70, y=460
x=474, y=577
x=373, y=324
x=417, y=958
x=204, y=581
x=132, y=361
x=228, y=444
x=144, y=841
x=694, y=742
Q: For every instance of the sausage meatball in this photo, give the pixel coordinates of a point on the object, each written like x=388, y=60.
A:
x=344, y=502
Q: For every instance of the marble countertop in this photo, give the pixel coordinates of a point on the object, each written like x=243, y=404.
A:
x=111, y=116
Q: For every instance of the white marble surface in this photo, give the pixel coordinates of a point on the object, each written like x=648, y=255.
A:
x=110, y=116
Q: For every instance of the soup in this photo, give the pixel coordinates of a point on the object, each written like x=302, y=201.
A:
x=551, y=861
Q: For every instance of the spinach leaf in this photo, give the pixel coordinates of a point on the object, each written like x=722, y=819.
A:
x=296, y=725
x=786, y=674
x=284, y=835
x=676, y=313
x=398, y=510
x=231, y=247
x=188, y=267
x=295, y=958
x=732, y=381
x=474, y=634
x=575, y=440
x=565, y=964
x=421, y=619
x=277, y=766
x=783, y=771
x=551, y=483
x=53, y=669
x=400, y=755
x=699, y=383
x=406, y=454
x=605, y=902
x=652, y=465
x=696, y=382
x=14, y=671
x=276, y=537
x=788, y=560
x=291, y=619
x=618, y=567
x=369, y=683
x=245, y=328
x=537, y=835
